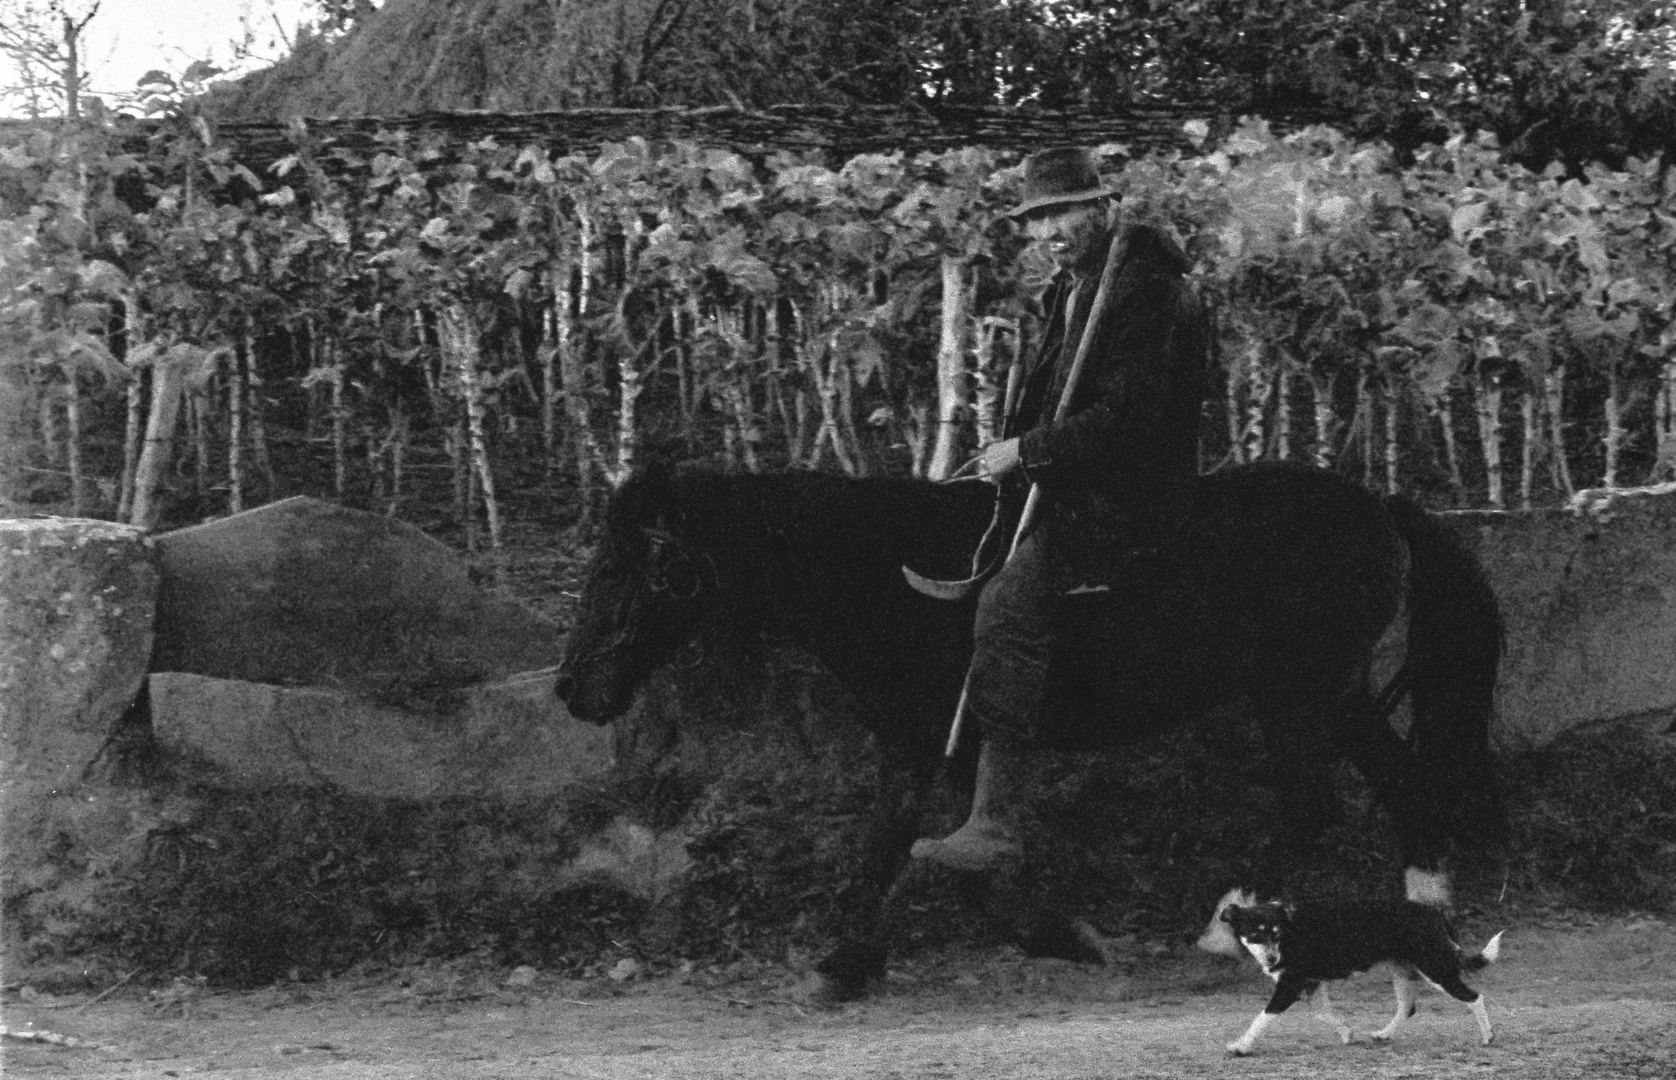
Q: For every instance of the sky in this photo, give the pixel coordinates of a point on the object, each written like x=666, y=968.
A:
x=128, y=38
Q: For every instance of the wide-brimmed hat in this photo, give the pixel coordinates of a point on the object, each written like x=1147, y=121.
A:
x=1060, y=177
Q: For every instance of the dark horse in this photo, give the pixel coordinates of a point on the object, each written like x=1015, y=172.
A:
x=1270, y=600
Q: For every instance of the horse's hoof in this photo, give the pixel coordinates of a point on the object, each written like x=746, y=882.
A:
x=972, y=849
x=1064, y=939
x=848, y=970
x=819, y=992
x=823, y=989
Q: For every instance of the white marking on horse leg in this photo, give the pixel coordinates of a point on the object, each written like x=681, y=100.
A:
x=1492, y=951
x=1219, y=936
x=1402, y=982
x=1324, y=1009
x=1482, y=1015
x=1244, y=1043
x=1426, y=886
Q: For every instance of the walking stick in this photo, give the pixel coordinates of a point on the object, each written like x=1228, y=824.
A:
x=1032, y=502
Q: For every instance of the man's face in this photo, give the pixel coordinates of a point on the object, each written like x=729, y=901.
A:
x=1069, y=236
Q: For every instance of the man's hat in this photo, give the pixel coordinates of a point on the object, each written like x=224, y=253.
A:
x=1060, y=177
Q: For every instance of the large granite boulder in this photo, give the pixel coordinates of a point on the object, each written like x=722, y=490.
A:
x=506, y=739
x=305, y=593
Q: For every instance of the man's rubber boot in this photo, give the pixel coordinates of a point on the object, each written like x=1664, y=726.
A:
x=989, y=840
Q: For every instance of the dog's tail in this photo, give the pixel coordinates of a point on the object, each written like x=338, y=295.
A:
x=1454, y=649
x=1484, y=958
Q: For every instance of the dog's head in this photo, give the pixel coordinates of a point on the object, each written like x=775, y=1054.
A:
x=1259, y=928
x=1219, y=936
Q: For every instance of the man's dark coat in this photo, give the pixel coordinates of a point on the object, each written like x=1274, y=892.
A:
x=1116, y=470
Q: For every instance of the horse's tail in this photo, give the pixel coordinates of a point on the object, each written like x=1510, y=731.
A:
x=1455, y=640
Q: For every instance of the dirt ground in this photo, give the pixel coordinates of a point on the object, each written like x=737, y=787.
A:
x=1571, y=997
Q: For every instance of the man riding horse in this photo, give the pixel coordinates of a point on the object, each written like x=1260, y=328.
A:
x=1110, y=446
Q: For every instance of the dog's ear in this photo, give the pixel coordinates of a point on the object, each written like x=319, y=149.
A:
x=1228, y=915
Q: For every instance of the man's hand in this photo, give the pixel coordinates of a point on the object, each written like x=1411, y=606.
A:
x=1000, y=458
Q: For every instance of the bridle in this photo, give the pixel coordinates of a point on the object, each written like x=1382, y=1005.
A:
x=673, y=573
x=662, y=541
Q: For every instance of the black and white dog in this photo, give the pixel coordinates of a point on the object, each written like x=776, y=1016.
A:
x=1303, y=947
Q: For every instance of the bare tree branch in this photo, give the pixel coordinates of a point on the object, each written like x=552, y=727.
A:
x=43, y=40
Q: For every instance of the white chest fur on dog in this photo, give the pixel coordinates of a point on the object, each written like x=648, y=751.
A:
x=1304, y=947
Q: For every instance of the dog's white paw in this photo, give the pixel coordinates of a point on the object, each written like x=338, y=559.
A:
x=1380, y=1036
x=1239, y=1048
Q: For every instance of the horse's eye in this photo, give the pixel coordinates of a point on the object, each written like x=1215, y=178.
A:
x=680, y=578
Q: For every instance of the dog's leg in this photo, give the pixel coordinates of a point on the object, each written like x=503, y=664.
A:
x=1484, y=959
x=1324, y=1009
x=1402, y=981
x=1242, y=1045
x=1450, y=983
x=1286, y=992
x=1482, y=1015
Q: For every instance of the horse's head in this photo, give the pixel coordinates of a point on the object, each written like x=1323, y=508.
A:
x=644, y=598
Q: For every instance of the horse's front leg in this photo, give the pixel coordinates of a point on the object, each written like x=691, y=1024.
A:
x=1298, y=742
x=861, y=928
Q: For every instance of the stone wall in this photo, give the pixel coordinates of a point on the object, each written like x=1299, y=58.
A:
x=1589, y=600
x=76, y=603
x=507, y=739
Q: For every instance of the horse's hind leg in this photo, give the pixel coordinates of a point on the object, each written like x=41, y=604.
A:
x=862, y=928
x=1386, y=763
x=1300, y=754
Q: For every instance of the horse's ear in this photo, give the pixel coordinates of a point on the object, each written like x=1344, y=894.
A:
x=645, y=496
x=660, y=455
x=655, y=471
